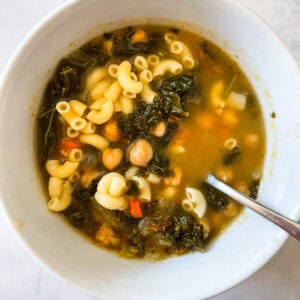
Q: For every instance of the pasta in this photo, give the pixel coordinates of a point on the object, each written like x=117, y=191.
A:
x=75, y=155
x=167, y=65
x=153, y=60
x=146, y=76
x=140, y=62
x=61, y=203
x=55, y=169
x=195, y=202
x=74, y=120
x=110, y=189
x=78, y=107
x=103, y=115
x=229, y=144
x=55, y=187
x=71, y=133
x=94, y=140
x=126, y=82
x=95, y=76
x=113, y=91
x=99, y=90
x=147, y=93
x=128, y=94
x=97, y=104
x=181, y=50
x=127, y=105
x=112, y=70
x=170, y=37
x=153, y=178
x=88, y=129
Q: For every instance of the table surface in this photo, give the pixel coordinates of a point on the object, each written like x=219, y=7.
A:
x=22, y=278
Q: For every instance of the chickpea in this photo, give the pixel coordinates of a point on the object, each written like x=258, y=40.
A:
x=140, y=153
x=111, y=131
x=160, y=129
x=111, y=158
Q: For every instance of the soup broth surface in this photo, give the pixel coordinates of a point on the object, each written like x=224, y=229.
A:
x=132, y=123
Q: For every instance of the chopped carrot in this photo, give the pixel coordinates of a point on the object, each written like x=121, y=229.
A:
x=224, y=133
x=135, y=208
x=69, y=144
x=139, y=36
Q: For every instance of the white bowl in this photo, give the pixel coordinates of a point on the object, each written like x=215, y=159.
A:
x=246, y=246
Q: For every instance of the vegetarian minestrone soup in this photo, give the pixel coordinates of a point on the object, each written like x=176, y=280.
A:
x=131, y=124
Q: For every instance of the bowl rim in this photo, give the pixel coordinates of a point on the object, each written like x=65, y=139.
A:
x=5, y=74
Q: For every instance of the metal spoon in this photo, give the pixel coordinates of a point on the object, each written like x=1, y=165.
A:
x=291, y=227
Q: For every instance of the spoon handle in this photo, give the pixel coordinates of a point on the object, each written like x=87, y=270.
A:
x=288, y=225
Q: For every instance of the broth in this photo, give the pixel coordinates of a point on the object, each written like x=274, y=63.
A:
x=125, y=142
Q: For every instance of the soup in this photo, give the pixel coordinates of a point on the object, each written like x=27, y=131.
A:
x=132, y=123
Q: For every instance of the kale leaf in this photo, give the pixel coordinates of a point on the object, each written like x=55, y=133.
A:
x=174, y=91
x=231, y=155
x=254, y=187
x=214, y=197
x=124, y=47
x=185, y=232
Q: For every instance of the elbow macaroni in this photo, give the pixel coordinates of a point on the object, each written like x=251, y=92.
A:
x=55, y=169
x=140, y=62
x=94, y=140
x=71, y=133
x=89, y=128
x=167, y=65
x=183, y=52
x=110, y=189
x=113, y=91
x=125, y=80
x=99, y=90
x=78, y=107
x=112, y=70
x=55, y=187
x=95, y=76
x=195, y=202
x=64, y=200
x=103, y=115
x=127, y=105
x=73, y=119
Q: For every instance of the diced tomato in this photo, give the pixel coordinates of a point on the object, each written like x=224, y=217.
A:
x=68, y=144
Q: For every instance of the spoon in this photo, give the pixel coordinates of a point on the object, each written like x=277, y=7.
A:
x=291, y=227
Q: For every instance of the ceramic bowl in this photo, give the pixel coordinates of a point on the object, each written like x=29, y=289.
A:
x=246, y=246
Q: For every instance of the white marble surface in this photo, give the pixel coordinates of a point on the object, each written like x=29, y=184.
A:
x=22, y=278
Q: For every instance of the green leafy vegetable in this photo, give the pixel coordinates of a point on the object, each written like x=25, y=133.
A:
x=215, y=198
x=124, y=47
x=185, y=232
x=231, y=155
x=79, y=213
x=174, y=91
x=254, y=188
x=204, y=46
